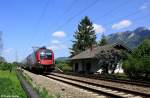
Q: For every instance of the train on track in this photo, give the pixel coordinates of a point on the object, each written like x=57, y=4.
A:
x=40, y=60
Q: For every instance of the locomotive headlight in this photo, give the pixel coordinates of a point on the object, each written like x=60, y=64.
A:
x=38, y=61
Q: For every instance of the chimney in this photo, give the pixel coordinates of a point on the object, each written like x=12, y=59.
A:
x=93, y=46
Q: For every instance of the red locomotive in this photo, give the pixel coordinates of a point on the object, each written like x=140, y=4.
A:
x=40, y=60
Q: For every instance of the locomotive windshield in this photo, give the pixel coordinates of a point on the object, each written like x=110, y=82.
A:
x=46, y=55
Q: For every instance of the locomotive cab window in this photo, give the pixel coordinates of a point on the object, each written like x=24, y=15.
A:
x=46, y=55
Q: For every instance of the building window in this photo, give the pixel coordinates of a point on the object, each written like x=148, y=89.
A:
x=88, y=67
x=102, y=51
x=76, y=67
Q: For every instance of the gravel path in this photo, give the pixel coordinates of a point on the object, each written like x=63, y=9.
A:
x=58, y=88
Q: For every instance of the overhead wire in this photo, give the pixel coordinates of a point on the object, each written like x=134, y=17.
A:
x=72, y=4
x=43, y=12
x=68, y=9
x=89, y=6
x=46, y=5
x=77, y=14
x=115, y=8
x=126, y=16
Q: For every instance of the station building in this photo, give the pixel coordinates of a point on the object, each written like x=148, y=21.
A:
x=86, y=62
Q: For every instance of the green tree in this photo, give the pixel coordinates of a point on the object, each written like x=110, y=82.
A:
x=138, y=63
x=84, y=36
x=2, y=59
x=103, y=41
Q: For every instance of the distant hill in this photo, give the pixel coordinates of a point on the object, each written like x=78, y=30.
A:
x=60, y=59
x=131, y=38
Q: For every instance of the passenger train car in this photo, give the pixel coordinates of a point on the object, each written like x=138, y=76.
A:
x=40, y=60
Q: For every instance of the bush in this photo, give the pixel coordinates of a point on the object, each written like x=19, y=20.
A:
x=4, y=66
x=7, y=66
x=138, y=63
x=132, y=67
x=64, y=66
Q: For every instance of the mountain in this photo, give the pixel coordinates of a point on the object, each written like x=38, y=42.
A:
x=61, y=59
x=131, y=38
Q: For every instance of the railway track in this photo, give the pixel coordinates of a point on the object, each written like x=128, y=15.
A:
x=92, y=85
x=133, y=82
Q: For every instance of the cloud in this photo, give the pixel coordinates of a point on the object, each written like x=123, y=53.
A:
x=55, y=42
x=59, y=34
x=57, y=46
x=7, y=50
x=122, y=24
x=99, y=28
x=144, y=6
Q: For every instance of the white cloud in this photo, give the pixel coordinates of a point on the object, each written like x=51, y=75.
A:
x=7, y=50
x=122, y=24
x=99, y=28
x=55, y=42
x=144, y=6
x=59, y=34
x=56, y=46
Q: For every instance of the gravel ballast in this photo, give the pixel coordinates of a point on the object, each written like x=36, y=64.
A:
x=112, y=84
x=61, y=89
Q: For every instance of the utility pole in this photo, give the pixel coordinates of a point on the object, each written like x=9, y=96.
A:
x=16, y=56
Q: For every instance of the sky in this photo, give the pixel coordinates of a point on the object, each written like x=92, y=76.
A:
x=34, y=23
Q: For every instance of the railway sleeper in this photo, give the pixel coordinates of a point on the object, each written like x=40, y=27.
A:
x=75, y=78
x=106, y=91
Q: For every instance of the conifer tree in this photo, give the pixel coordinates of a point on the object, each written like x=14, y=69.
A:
x=84, y=36
x=103, y=41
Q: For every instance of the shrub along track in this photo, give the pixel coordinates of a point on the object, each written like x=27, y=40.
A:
x=113, y=89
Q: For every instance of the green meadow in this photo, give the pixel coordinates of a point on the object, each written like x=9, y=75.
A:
x=10, y=85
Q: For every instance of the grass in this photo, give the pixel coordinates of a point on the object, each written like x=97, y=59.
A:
x=10, y=85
